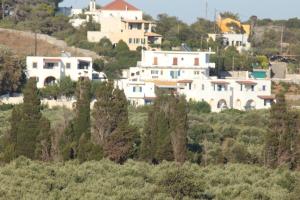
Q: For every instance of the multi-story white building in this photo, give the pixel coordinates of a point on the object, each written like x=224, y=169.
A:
x=187, y=73
x=237, y=40
x=120, y=20
x=48, y=70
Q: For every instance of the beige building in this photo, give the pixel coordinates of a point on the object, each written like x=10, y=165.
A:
x=121, y=21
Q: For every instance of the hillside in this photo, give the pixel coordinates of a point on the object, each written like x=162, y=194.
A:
x=23, y=43
x=25, y=179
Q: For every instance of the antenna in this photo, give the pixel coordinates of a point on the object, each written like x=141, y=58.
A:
x=206, y=9
x=215, y=22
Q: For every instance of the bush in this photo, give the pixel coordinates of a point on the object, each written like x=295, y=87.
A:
x=180, y=183
x=200, y=106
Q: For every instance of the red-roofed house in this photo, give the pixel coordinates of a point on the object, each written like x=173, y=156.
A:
x=122, y=21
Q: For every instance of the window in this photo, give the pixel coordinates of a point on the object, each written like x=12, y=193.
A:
x=219, y=87
x=83, y=65
x=252, y=88
x=174, y=74
x=50, y=65
x=203, y=87
x=68, y=65
x=241, y=87
x=141, y=89
x=196, y=62
x=143, y=41
x=154, y=72
x=264, y=88
x=134, y=89
x=190, y=86
x=130, y=40
x=137, y=40
x=175, y=61
x=155, y=61
x=196, y=73
x=34, y=65
x=265, y=102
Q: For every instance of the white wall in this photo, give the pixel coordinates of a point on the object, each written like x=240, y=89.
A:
x=194, y=81
x=59, y=71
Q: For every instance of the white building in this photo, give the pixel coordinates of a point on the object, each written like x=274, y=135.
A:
x=239, y=41
x=48, y=70
x=120, y=20
x=187, y=73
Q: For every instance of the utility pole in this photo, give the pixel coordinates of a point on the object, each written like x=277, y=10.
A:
x=215, y=21
x=233, y=63
x=281, y=39
x=35, y=43
x=201, y=42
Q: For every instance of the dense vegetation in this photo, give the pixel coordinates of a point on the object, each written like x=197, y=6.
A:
x=25, y=179
x=227, y=149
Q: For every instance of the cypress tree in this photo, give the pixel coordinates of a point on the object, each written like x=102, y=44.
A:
x=179, y=127
x=10, y=141
x=43, y=147
x=29, y=126
x=81, y=122
x=282, y=137
x=111, y=124
x=76, y=142
x=110, y=109
x=166, y=130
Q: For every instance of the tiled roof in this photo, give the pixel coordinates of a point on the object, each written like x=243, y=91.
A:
x=119, y=5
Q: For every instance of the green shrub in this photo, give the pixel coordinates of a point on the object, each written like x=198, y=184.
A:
x=199, y=106
x=180, y=183
x=6, y=107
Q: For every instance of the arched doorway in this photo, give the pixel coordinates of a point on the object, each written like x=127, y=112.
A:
x=50, y=80
x=222, y=104
x=250, y=105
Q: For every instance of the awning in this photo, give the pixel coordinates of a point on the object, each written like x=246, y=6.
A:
x=267, y=97
x=149, y=98
x=185, y=81
x=247, y=82
x=220, y=82
x=85, y=61
x=52, y=60
x=151, y=34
